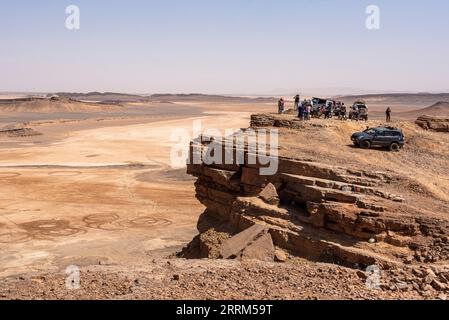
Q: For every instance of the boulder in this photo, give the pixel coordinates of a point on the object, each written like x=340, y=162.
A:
x=269, y=194
x=232, y=247
x=261, y=249
x=280, y=256
x=222, y=177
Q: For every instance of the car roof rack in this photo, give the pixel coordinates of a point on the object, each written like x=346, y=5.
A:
x=388, y=128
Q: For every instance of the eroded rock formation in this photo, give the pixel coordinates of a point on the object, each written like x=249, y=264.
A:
x=269, y=120
x=434, y=123
x=19, y=132
x=313, y=210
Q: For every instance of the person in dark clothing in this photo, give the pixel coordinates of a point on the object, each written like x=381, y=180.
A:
x=342, y=115
x=300, y=110
x=297, y=100
x=388, y=114
x=281, y=106
x=328, y=110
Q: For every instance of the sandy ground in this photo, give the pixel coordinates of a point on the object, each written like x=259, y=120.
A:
x=98, y=192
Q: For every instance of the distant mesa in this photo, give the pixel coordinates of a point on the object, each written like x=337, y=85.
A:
x=167, y=97
x=118, y=98
x=111, y=101
x=103, y=97
x=54, y=103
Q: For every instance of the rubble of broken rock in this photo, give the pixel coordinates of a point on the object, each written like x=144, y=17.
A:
x=321, y=212
x=19, y=132
x=227, y=279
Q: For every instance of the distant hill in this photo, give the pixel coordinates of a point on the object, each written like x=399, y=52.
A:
x=207, y=98
x=113, y=98
x=397, y=101
x=438, y=109
x=103, y=96
x=47, y=105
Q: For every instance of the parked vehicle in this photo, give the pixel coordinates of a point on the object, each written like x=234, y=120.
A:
x=318, y=103
x=337, y=109
x=359, y=111
x=322, y=107
x=380, y=137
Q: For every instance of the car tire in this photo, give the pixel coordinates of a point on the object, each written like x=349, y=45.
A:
x=394, y=147
x=365, y=144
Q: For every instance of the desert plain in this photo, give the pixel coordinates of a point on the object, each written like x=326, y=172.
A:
x=94, y=187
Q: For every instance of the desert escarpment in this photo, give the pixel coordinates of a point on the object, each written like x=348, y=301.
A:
x=346, y=215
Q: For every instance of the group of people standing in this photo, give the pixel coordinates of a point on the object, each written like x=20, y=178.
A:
x=305, y=109
x=281, y=104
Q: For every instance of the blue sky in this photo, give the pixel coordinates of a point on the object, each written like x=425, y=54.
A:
x=224, y=46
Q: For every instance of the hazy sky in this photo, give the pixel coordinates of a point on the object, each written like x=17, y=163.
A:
x=223, y=46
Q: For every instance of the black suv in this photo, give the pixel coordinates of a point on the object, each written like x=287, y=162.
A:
x=384, y=137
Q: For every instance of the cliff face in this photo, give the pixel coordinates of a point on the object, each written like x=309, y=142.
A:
x=309, y=209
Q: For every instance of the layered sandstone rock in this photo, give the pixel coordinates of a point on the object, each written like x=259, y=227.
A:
x=323, y=213
x=326, y=202
x=434, y=123
x=280, y=121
